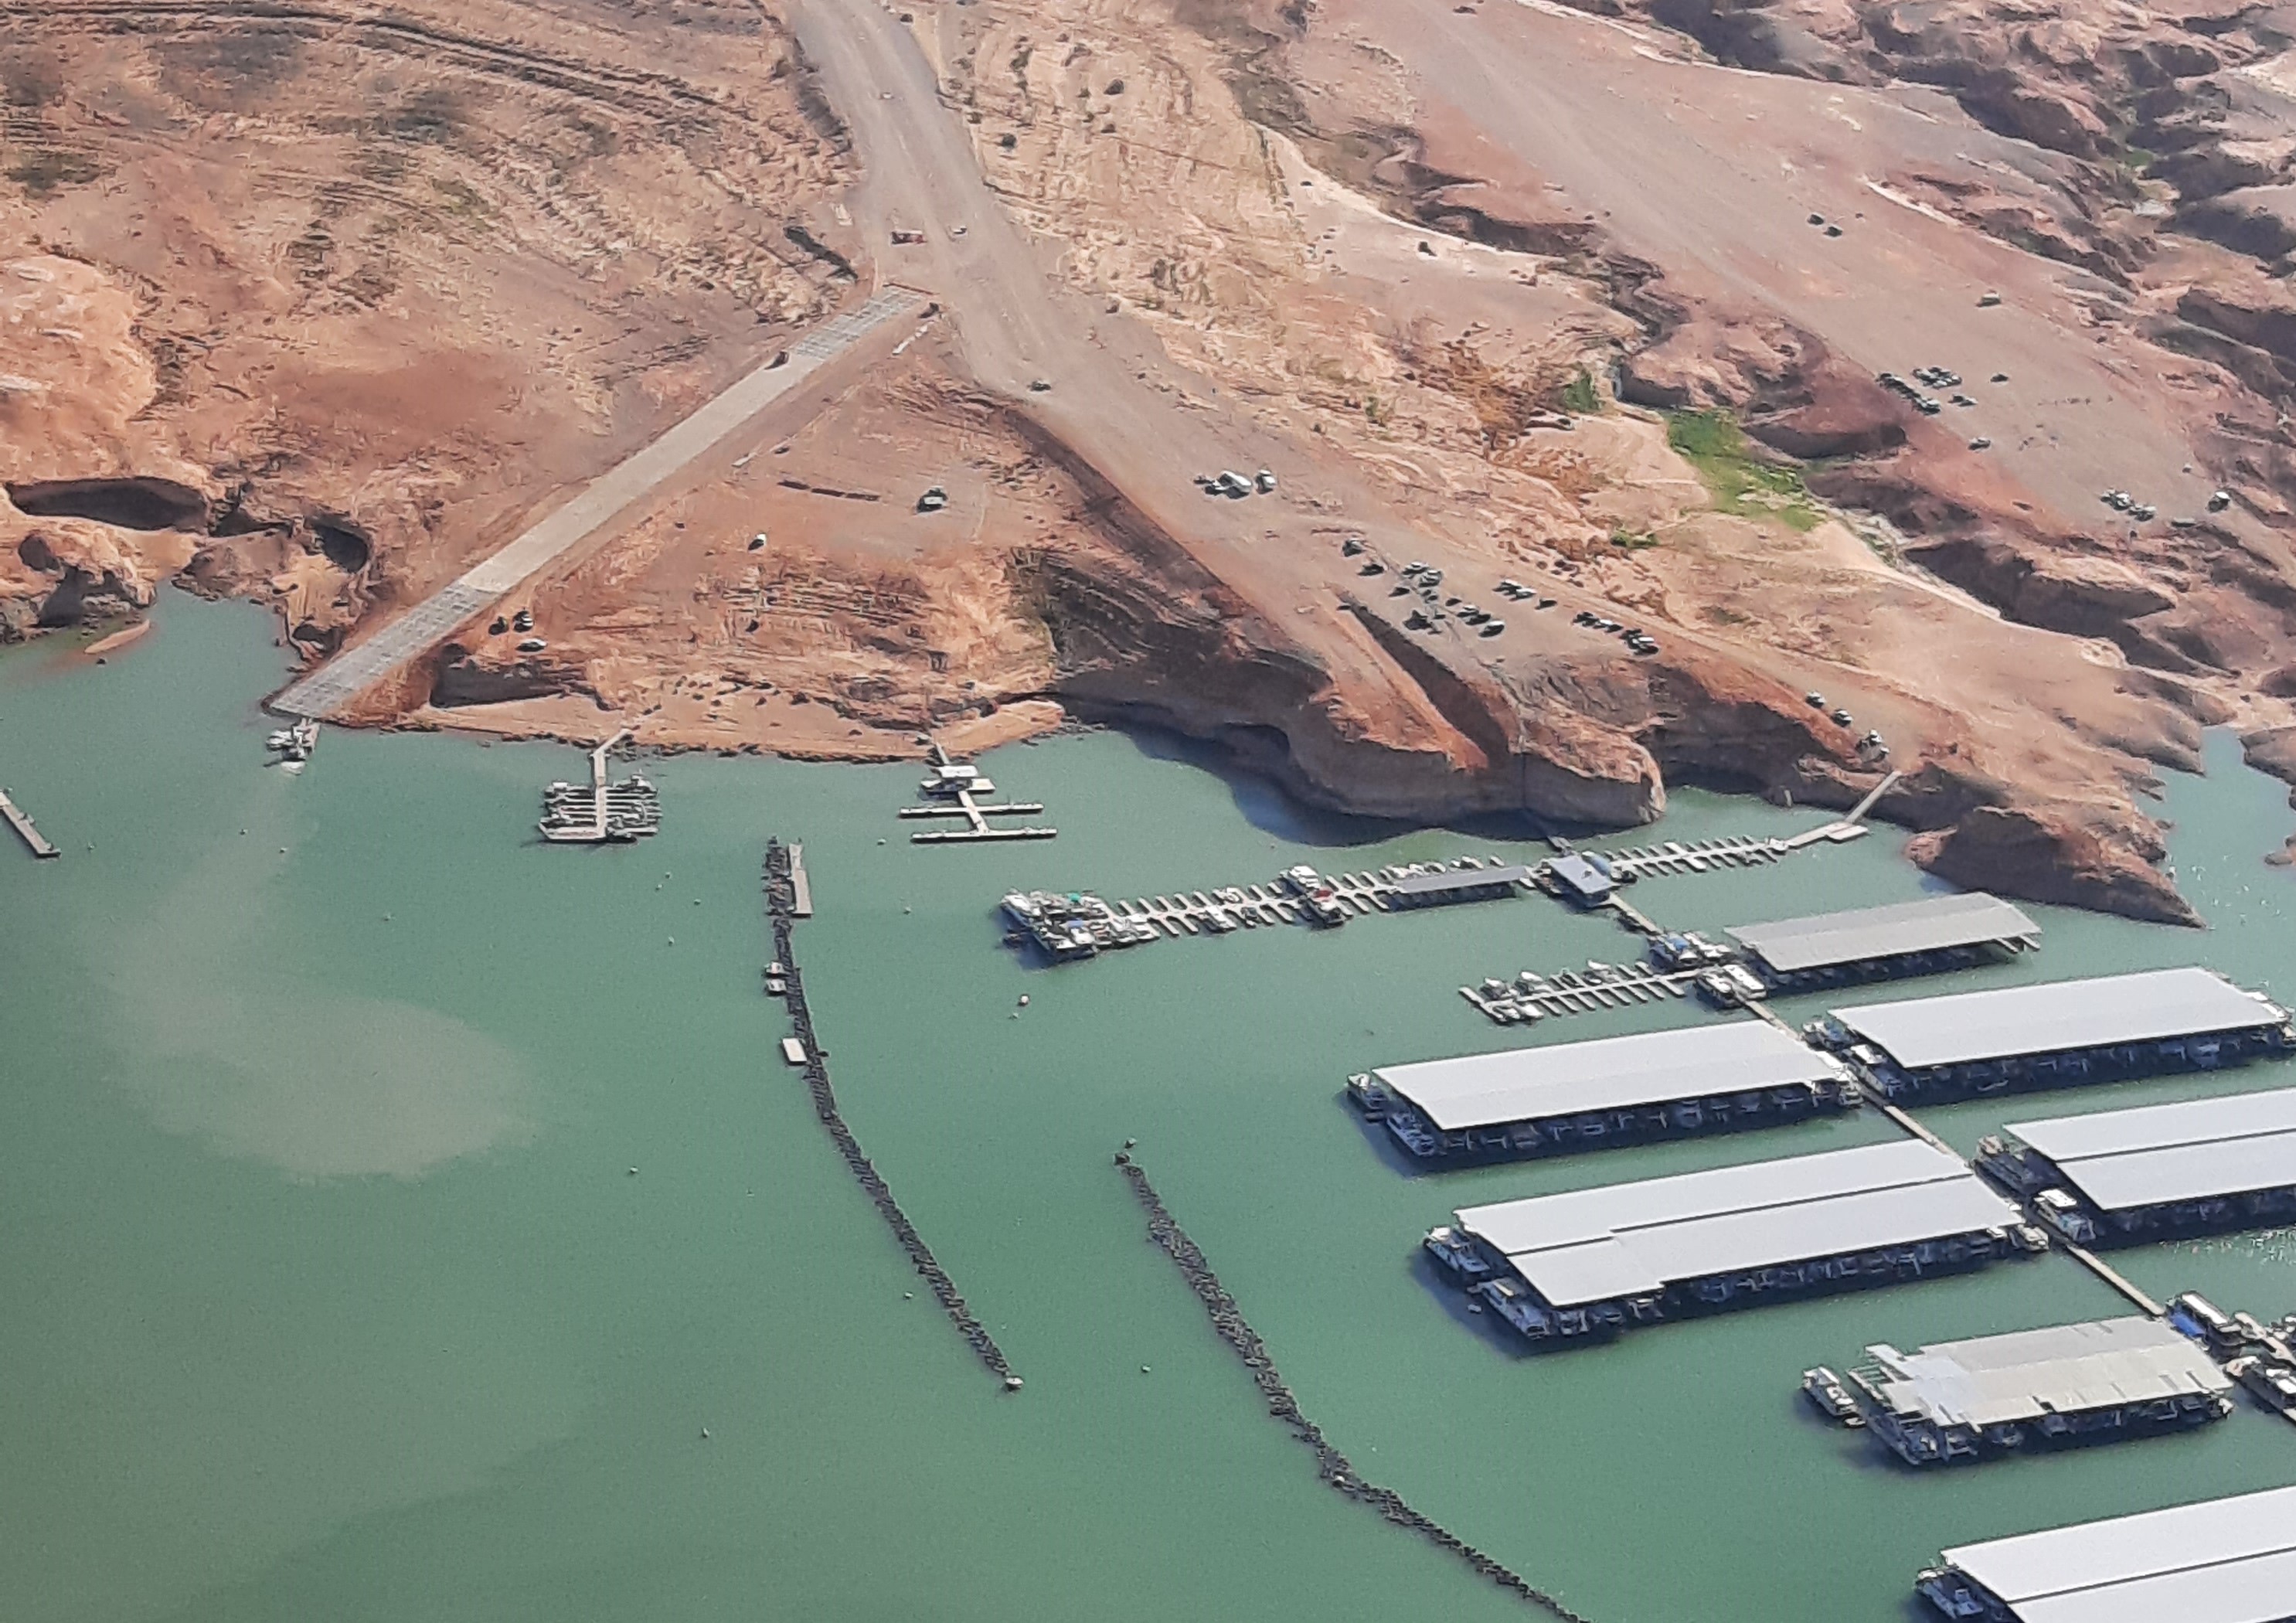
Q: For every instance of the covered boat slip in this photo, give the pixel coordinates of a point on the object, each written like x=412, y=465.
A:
x=2230, y=1161
x=1595, y=1258
x=1578, y=1096
x=2061, y=1031
x=1449, y=885
x=2222, y=1561
x=2065, y=1383
x=1939, y=931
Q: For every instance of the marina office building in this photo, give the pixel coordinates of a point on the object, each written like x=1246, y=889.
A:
x=2121, y=1176
x=1591, y=1262
x=2069, y=1383
x=1927, y=937
x=2058, y=1034
x=2222, y=1561
x=1614, y=1090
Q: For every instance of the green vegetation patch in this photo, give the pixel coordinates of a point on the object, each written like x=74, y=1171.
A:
x=1579, y=396
x=1741, y=483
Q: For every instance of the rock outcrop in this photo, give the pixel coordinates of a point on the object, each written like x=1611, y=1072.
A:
x=2051, y=854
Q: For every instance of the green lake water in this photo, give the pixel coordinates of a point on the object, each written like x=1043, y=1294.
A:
x=329, y=1292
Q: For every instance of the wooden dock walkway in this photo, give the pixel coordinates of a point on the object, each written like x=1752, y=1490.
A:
x=959, y=788
x=2089, y=1259
x=605, y=811
x=1858, y=812
x=2111, y=1276
x=1694, y=855
x=1229, y=907
x=20, y=821
x=1634, y=917
x=1850, y=827
x=1533, y=997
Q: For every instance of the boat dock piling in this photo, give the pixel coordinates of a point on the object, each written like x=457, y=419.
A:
x=21, y=822
x=1333, y=1467
x=784, y=878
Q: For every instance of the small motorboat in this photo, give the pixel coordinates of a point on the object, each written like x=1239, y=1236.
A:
x=1829, y=1397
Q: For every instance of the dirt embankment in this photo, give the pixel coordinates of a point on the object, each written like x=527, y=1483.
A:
x=315, y=303
x=338, y=301
x=1408, y=351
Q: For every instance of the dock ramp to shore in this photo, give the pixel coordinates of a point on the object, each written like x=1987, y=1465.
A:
x=598, y=504
x=21, y=822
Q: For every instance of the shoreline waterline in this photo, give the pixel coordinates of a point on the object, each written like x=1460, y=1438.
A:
x=312, y=1339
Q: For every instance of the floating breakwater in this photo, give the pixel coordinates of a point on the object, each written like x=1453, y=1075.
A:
x=1331, y=1465
x=781, y=907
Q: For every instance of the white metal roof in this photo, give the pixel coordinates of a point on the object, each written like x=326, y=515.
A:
x=1612, y=1072
x=2064, y=1369
x=1460, y=879
x=1928, y=925
x=2222, y=1561
x=1622, y=1238
x=2056, y=1015
x=2229, y=1144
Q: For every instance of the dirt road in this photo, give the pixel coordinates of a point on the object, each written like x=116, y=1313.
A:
x=1713, y=173
x=1141, y=423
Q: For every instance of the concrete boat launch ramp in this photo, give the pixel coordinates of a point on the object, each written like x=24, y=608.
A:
x=325, y=691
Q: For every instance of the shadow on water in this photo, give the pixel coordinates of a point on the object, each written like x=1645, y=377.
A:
x=1258, y=799
x=1266, y=805
x=1486, y=1326
x=1391, y=1154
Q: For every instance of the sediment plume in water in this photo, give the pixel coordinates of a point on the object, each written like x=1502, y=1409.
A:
x=1331, y=1464
x=781, y=907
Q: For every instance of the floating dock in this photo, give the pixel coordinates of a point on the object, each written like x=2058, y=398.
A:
x=295, y=745
x=1444, y=886
x=1078, y=925
x=800, y=886
x=1592, y=878
x=1927, y=937
x=1618, y=1090
x=1530, y=996
x=2066, y=1384
x=1589, y=1263
x=955, y=789
x=2222, y=1561
x=575, y=814
x=1674, y=856
x=2119, y=1178
x=21, y=822
x=2059, y=1034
